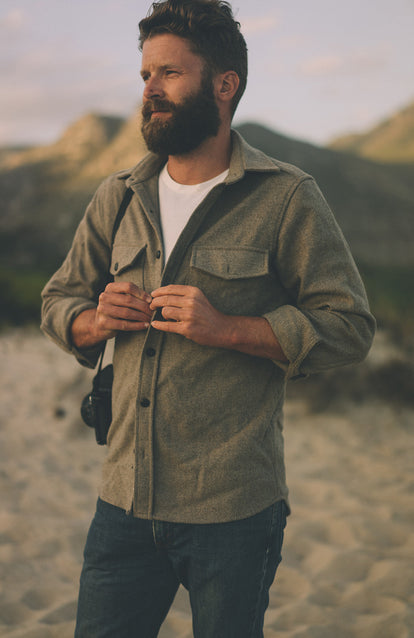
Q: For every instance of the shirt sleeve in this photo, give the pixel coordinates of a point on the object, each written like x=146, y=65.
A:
x=328, y=323
x=76, y=286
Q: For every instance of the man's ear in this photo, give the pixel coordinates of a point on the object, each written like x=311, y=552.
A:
x=226, y=85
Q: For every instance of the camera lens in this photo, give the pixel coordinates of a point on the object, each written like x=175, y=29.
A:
x=87, y=411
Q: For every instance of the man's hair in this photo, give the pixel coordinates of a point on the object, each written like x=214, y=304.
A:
x=210, y=29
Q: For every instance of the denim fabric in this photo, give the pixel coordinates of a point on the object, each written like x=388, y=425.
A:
x=133, y=568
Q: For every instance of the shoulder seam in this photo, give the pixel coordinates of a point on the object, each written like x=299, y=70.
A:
x=288, y=198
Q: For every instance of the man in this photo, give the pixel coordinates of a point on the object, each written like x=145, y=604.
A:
x=230, y=276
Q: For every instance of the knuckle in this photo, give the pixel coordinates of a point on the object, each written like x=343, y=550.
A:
x=130, y=287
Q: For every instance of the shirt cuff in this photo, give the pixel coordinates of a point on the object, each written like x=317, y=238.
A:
x=59, y=330
x=296, y=335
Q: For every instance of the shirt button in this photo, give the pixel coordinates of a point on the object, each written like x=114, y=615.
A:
x=150, y=352
x=158, y=254
x=116, y=266
x=145, y=403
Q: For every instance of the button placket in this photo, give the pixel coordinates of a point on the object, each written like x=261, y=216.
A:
x=144, y=476
x=144, y=462
x=145, y=404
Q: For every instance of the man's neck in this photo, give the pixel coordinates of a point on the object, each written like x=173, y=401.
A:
x=210, y=159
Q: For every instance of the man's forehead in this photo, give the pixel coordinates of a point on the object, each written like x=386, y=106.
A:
x=168, y=45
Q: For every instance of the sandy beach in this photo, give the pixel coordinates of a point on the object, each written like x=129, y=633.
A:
x=348, y=560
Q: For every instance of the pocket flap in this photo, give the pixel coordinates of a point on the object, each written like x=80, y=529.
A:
x=232, y=263
x=124, y=256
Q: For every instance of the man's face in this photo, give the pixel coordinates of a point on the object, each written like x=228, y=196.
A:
x=179, y=108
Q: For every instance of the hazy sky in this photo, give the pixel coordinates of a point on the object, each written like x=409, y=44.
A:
x=317, y=68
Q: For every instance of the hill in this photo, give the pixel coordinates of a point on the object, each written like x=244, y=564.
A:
x=45, y=190
x=392, y=140
x=373, y=203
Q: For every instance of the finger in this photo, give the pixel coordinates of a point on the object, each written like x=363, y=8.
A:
x=167, y=326
x=174, y=301
x=116, y=325
x=174, y=289
x=172, y=314
x=127, y=314
x=109, y=300
x=116, y=313
x=128, y=288
x=133, y=326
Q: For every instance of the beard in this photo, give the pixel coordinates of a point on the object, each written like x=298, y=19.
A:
x=191, y=122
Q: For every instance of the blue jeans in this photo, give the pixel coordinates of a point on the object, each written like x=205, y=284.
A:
x=133, y=568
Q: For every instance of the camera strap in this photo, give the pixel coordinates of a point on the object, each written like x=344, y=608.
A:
x=121, y=212
x=98, y=373
x=119, y=216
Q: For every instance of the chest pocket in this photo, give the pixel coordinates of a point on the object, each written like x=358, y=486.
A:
x=240, y=263
x=234, y=280
x=128, y=263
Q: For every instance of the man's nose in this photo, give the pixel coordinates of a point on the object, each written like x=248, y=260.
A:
x=153, y=88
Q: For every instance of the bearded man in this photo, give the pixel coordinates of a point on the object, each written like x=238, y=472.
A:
x=227, y=276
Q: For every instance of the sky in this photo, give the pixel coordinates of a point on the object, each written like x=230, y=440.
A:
x=317, y=68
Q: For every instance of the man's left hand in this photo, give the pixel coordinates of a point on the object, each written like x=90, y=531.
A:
x=188, y=312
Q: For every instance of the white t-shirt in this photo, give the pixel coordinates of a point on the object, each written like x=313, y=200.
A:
x=178, y=202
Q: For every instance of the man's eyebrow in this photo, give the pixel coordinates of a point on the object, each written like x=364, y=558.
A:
x=163, y=67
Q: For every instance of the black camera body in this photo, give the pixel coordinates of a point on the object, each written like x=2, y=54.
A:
x=96, y=407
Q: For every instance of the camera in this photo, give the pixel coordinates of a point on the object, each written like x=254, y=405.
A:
x=96, y=407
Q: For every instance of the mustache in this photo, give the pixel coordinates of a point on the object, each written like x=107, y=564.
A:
x=156, y=104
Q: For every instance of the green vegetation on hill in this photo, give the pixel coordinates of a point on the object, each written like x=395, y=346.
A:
x=391, y=141
x=20, y=296
x=390, y=293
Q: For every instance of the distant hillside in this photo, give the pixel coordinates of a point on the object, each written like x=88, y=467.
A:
x=390, y=141
x=80, y=142
x=44, y=192
x=373, y=203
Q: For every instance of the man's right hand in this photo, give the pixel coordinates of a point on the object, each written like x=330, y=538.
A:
x=122, y=306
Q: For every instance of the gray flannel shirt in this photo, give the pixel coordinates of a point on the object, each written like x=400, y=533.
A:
x=196, y=435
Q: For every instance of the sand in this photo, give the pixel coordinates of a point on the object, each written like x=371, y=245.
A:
x=348, y=560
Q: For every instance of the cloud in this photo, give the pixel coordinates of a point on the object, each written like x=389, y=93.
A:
x=13, y=21
x=44, y=89
x=322, y=65
x=358, y=62
x=260, y=24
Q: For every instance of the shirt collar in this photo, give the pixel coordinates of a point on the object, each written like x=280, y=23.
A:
x=244, y=158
